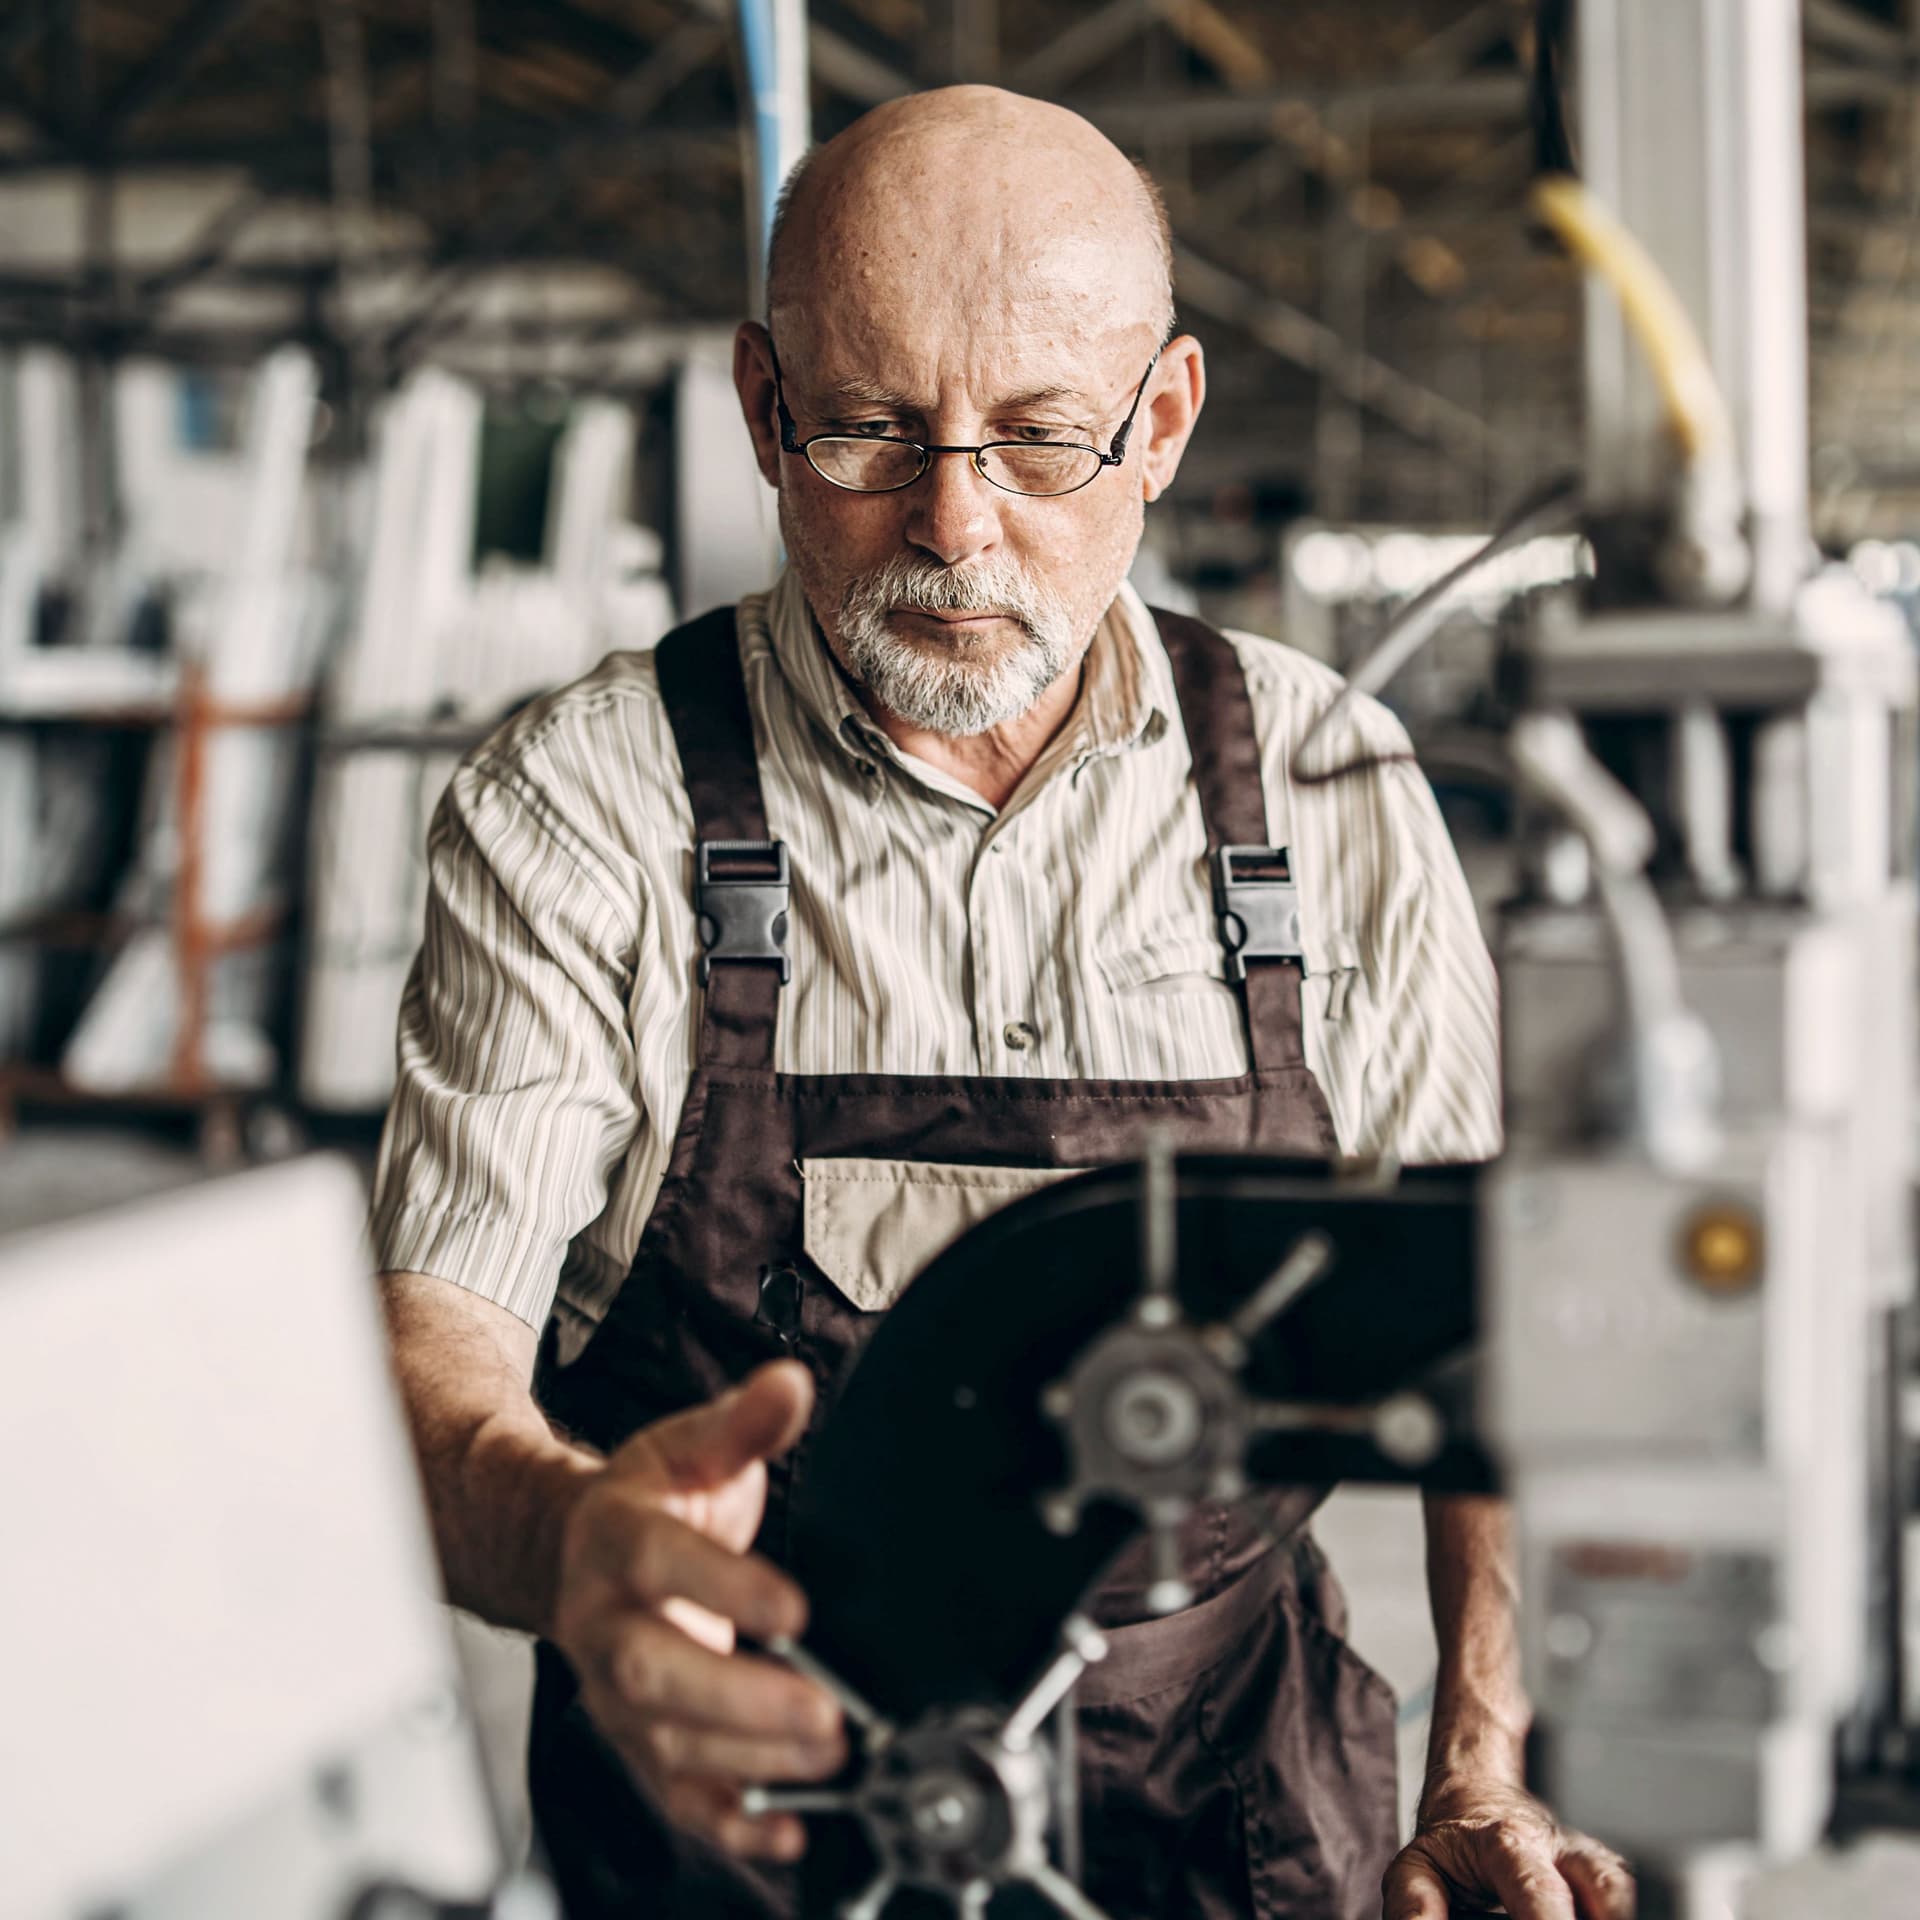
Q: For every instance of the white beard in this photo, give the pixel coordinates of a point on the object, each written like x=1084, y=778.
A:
x=968, y=684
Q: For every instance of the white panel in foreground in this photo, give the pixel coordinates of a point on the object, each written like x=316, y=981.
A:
x=219, y=1588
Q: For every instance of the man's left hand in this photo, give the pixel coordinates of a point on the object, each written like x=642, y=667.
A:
x=1486, y=1845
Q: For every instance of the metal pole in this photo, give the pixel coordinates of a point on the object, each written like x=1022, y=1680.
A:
x=1687, y=108
x=773, y=36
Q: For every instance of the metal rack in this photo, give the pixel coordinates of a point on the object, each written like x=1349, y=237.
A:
x=193, y=715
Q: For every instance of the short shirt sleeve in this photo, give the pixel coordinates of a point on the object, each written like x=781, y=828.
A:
x=517, y=1089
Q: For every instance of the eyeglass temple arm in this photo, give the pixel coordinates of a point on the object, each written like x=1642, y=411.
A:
x=789, y=436
x=1118, y=451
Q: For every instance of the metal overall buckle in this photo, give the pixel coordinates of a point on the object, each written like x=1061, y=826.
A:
x=1258, y=906
x=740, y=893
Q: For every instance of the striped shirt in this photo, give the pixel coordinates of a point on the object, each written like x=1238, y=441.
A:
x=549, y=1029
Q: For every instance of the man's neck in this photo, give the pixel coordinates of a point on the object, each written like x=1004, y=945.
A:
x=993, y=763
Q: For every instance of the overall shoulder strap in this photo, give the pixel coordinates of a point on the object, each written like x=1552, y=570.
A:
x=739, y=872
x=706, y=699
x=1254, y=896
x=1220, y=731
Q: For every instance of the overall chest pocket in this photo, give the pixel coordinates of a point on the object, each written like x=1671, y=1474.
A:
x=871, y=1225
x=1167, y=1011
x=1166, y=959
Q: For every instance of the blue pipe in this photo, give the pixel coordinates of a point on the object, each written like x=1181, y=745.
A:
x=758, y=42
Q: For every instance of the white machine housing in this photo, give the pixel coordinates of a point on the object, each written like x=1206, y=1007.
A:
x=1699, y=1455
x=230, y=1685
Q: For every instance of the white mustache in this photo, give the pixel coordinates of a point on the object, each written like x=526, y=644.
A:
x=909, y=586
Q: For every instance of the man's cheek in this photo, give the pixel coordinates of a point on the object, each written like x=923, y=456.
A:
x=845, y=535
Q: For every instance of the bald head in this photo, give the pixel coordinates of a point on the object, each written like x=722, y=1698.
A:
x=972, y=193
x=966, y=272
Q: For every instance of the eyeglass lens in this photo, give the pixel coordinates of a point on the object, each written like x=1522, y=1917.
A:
x=880, y=466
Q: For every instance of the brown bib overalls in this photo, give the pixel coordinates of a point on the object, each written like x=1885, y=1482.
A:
x=1236, y=1758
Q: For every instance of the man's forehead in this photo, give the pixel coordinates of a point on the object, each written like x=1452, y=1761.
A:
x=994, y=350
x=923, y=381
x=1003, y=268
x=971, y=258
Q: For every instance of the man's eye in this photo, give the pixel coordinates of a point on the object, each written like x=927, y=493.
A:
x=868, y=429
x=1036, y=436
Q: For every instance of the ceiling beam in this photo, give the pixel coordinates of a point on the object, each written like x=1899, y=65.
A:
x=597, y=248
x=836, y=60
x=1412, y=99
x=1446, y=55
x=1250, y=184
x=596, y=36
x=185, y=46
x=1255, y=115
x=852, y=70
x=666, y=338
x=1463, y=42
x=1298, y=338
x=15, y=99
x=291, y=161
x=1832, y=84
x=1090, y=39
x=681, y=53
x=27, y=23
x=1845, y=29
x=70, y=68
x=1214, y=37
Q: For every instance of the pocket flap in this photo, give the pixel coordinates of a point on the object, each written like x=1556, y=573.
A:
x=871, y=1225
x=1161, y=956
x=1164, y=953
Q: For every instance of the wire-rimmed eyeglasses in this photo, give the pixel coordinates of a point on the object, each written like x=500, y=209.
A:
x=884, y=463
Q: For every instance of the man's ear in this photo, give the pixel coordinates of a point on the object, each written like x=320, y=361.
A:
x=1174, y=398
x=753, y=382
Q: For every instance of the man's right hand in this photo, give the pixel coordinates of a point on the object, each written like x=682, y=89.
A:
x=655, y=1578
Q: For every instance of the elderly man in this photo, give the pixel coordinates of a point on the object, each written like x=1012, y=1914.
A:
x=996, y=778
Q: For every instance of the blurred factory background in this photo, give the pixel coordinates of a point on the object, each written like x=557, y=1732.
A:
x=364, y=373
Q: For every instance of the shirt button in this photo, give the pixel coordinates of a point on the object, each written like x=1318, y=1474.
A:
x=1019, y=1036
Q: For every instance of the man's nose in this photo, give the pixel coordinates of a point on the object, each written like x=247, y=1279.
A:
x=954, y=516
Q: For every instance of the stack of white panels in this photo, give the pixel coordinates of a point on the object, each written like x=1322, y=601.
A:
x=440, y=646
x=254, y=628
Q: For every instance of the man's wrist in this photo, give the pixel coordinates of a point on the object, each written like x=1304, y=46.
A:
x=1473, y=1743
x=546, y=1476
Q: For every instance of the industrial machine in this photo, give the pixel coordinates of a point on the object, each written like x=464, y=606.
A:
x=1697, y=1248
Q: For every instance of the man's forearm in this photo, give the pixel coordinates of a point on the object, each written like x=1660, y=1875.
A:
x=1480, y=1712
x=499, y=1481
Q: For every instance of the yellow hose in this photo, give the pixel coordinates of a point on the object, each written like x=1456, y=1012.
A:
x=1696, y=411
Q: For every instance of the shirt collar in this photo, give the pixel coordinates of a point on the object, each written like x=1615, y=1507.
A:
x=1132, y=700
x=1125, y=698
x=811, y=670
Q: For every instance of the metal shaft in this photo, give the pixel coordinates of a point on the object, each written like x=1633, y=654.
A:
x=1705, y=93
x=1084, y=1645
